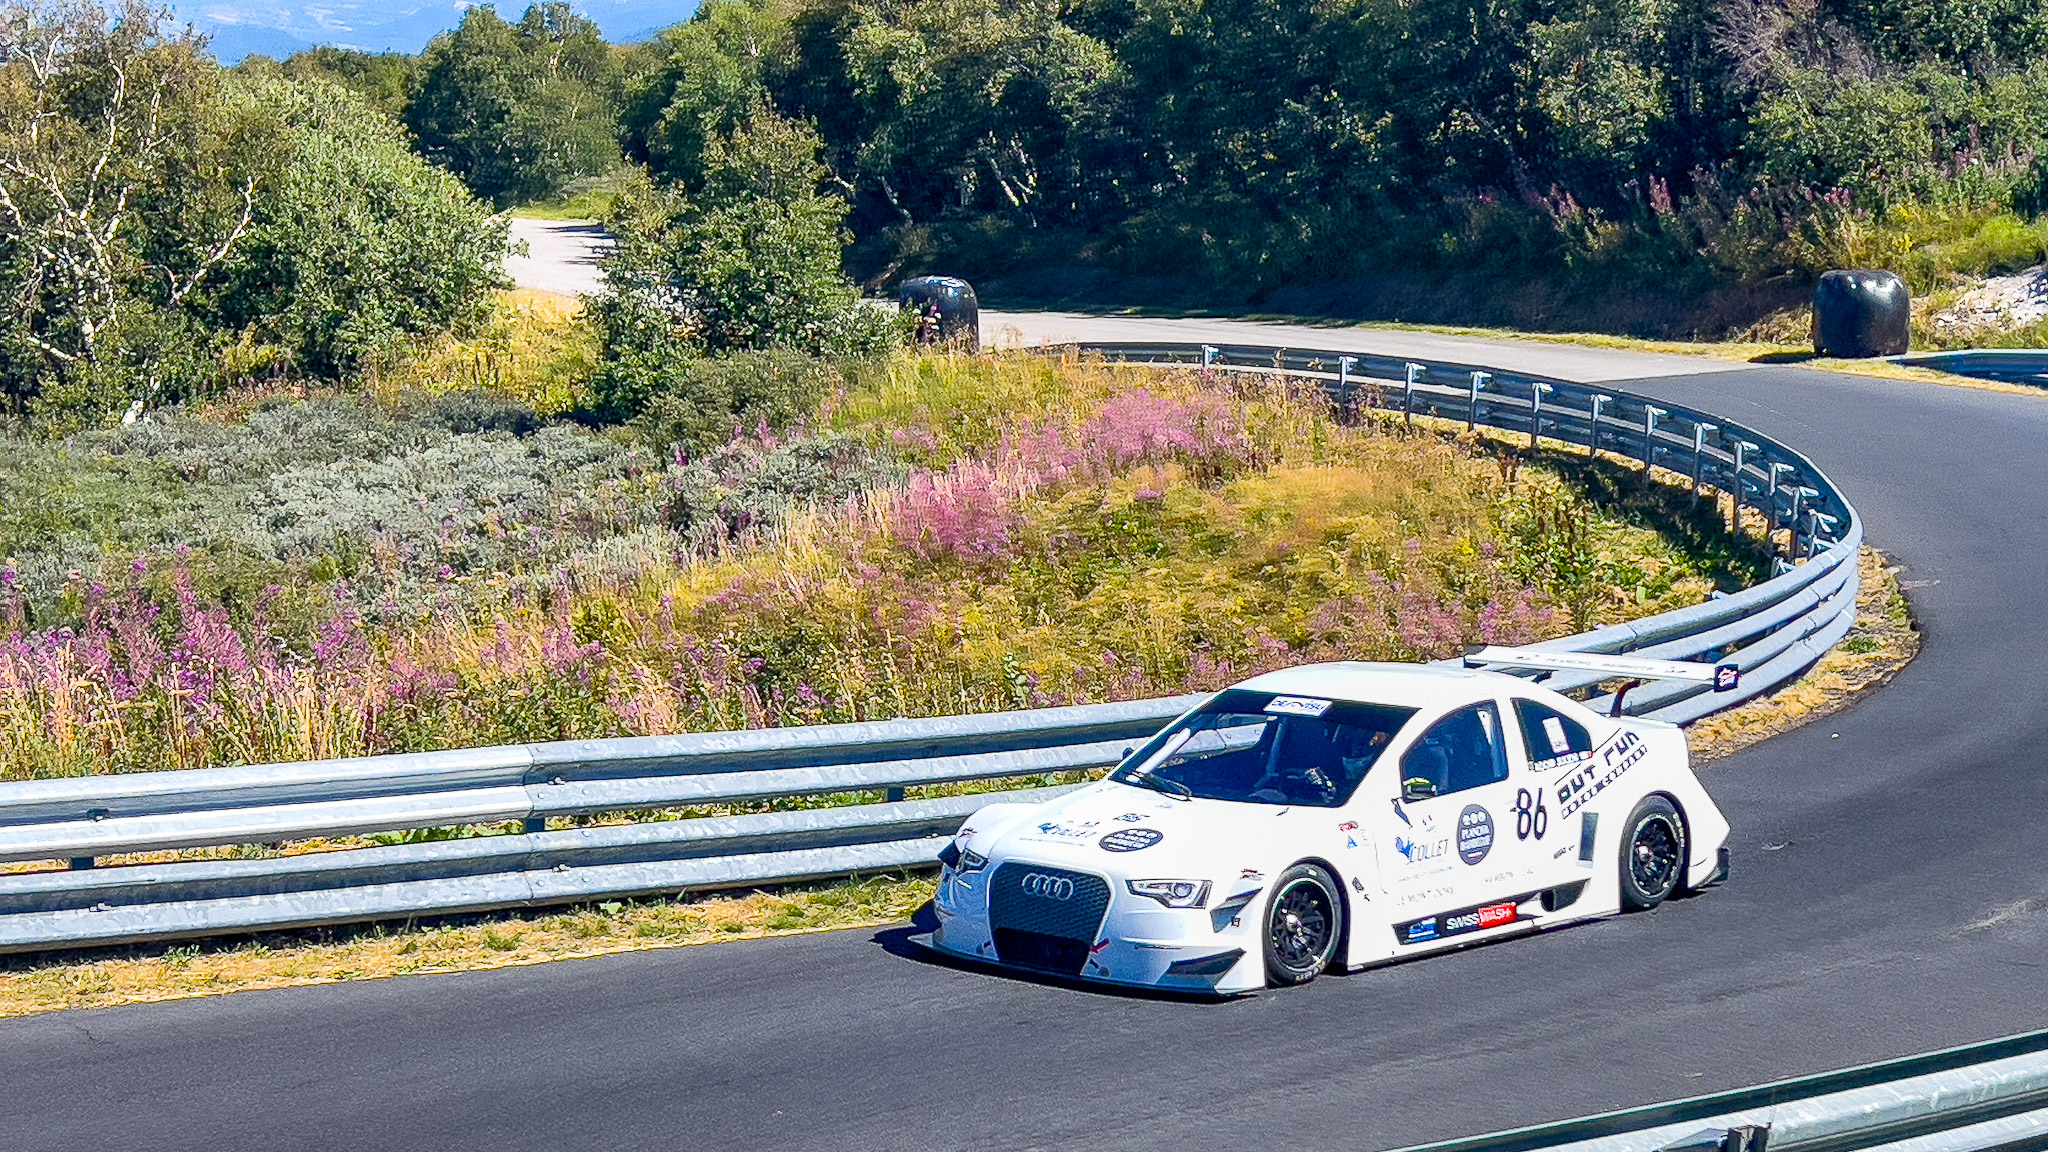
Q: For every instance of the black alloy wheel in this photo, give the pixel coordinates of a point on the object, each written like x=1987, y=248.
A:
x=1304, y=922
x=1652, y=855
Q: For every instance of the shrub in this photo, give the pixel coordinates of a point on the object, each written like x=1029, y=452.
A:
x=696, y=402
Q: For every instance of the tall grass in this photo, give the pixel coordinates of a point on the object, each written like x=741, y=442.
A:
x=1024, y=532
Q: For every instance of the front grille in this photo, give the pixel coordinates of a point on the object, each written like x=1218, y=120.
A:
x=1045, y=917
x=1037, y=950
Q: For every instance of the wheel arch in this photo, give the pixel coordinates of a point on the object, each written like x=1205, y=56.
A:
x=1685, y=830
x=1345, y=897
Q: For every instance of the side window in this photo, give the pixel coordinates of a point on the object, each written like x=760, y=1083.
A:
x=1550, y=735
x=1462, y=750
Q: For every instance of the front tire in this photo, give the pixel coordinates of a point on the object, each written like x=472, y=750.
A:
x=1652, y=855
x=1304, y=922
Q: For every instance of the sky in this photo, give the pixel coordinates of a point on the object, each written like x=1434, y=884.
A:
x=240, y=27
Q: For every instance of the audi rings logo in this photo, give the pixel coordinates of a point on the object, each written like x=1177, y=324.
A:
x=1050, y=887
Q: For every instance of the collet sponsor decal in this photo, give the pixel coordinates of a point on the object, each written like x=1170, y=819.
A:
x=1475, y=834
x=1420, y=852
x=1061, y=830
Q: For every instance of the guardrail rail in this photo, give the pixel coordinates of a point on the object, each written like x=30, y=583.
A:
x=1772, y=631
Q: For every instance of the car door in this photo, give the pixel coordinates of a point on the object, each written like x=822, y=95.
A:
x=1445, y=841
x=1559, y=747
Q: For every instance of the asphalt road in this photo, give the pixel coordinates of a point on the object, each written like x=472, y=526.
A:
x=1890, y=895
x=561, y=255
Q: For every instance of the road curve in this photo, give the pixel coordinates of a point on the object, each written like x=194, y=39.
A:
x=1890, y=895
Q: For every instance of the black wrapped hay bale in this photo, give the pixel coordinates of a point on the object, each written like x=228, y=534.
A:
x=1861, y=314
x=947, y=310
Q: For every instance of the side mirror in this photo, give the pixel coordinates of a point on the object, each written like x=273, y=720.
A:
x=1417, y=788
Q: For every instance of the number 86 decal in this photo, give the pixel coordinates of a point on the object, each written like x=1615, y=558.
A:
x=1531, y=817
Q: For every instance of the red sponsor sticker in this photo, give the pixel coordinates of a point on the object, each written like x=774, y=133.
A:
x=1494, y=914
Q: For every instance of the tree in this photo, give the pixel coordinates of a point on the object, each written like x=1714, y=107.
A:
x=749, y=262
x=383, y=78
x=125, y=185
x=715, y=72
x=518, y=111
x=357, y=243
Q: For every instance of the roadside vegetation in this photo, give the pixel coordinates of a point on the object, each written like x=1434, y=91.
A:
x=1677, y=171
x=913, y=535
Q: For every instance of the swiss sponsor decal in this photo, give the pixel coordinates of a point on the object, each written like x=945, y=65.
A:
x=1475, y=834
x=1298, y=706
x=1130, y=839
x=1445, y=924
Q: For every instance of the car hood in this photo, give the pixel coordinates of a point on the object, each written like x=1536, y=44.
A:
x=1126, y=830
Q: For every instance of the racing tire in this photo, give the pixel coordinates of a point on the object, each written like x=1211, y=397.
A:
x=1652, y=855
x=1304, y=922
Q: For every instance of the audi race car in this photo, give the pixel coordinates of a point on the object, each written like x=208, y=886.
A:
x=1340, y=815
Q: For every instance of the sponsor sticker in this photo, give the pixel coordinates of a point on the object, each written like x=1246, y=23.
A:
x=1131, y=839
x=1606, y=765
x=1298, y=706
x=1062, y=830
x=1475, y=919
x=1553, y=730
x=1475, y=834
x=1421, y=851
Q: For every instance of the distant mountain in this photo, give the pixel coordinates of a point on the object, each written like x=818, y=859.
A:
x=242, y=27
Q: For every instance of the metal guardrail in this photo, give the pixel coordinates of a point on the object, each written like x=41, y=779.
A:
x=1975, y=1098
x=1772, y=631
x=2009, y=365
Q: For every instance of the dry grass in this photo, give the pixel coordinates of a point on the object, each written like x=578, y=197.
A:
x=1883, y=640
x=331, y=956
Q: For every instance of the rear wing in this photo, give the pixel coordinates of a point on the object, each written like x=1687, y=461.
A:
x=1723, y=677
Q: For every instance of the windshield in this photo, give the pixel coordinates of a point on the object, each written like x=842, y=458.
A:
x=1262, y=748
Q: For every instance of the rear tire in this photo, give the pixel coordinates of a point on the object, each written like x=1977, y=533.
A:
x=1304, y=922
x=1652, y=855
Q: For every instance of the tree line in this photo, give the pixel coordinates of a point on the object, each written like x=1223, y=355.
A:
x=170, y=227
x=1687, y=144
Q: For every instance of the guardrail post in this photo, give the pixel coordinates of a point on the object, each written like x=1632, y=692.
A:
x=1742, y=450
x=1208, y=357
x=533, y=824
x=1536, y=391
x=1479, y=380
x=81, y=863
x=1650, y=414
x=1771, y=494
x=1599, y=399
x=894, y=795
x=1699, y=451
x=1408, y=392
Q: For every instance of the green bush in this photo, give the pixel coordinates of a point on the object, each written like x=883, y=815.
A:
x=358, y=245
x=695, y=403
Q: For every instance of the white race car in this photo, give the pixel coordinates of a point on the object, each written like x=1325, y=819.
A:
x=1339, y=815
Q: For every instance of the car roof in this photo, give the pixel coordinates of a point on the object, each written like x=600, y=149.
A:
x=1418, y=686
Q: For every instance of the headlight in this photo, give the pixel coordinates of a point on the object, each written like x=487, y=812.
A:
x=959, y=860
x=1172, y=893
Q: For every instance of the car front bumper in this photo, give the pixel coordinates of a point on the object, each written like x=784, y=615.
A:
x=1139, y=944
